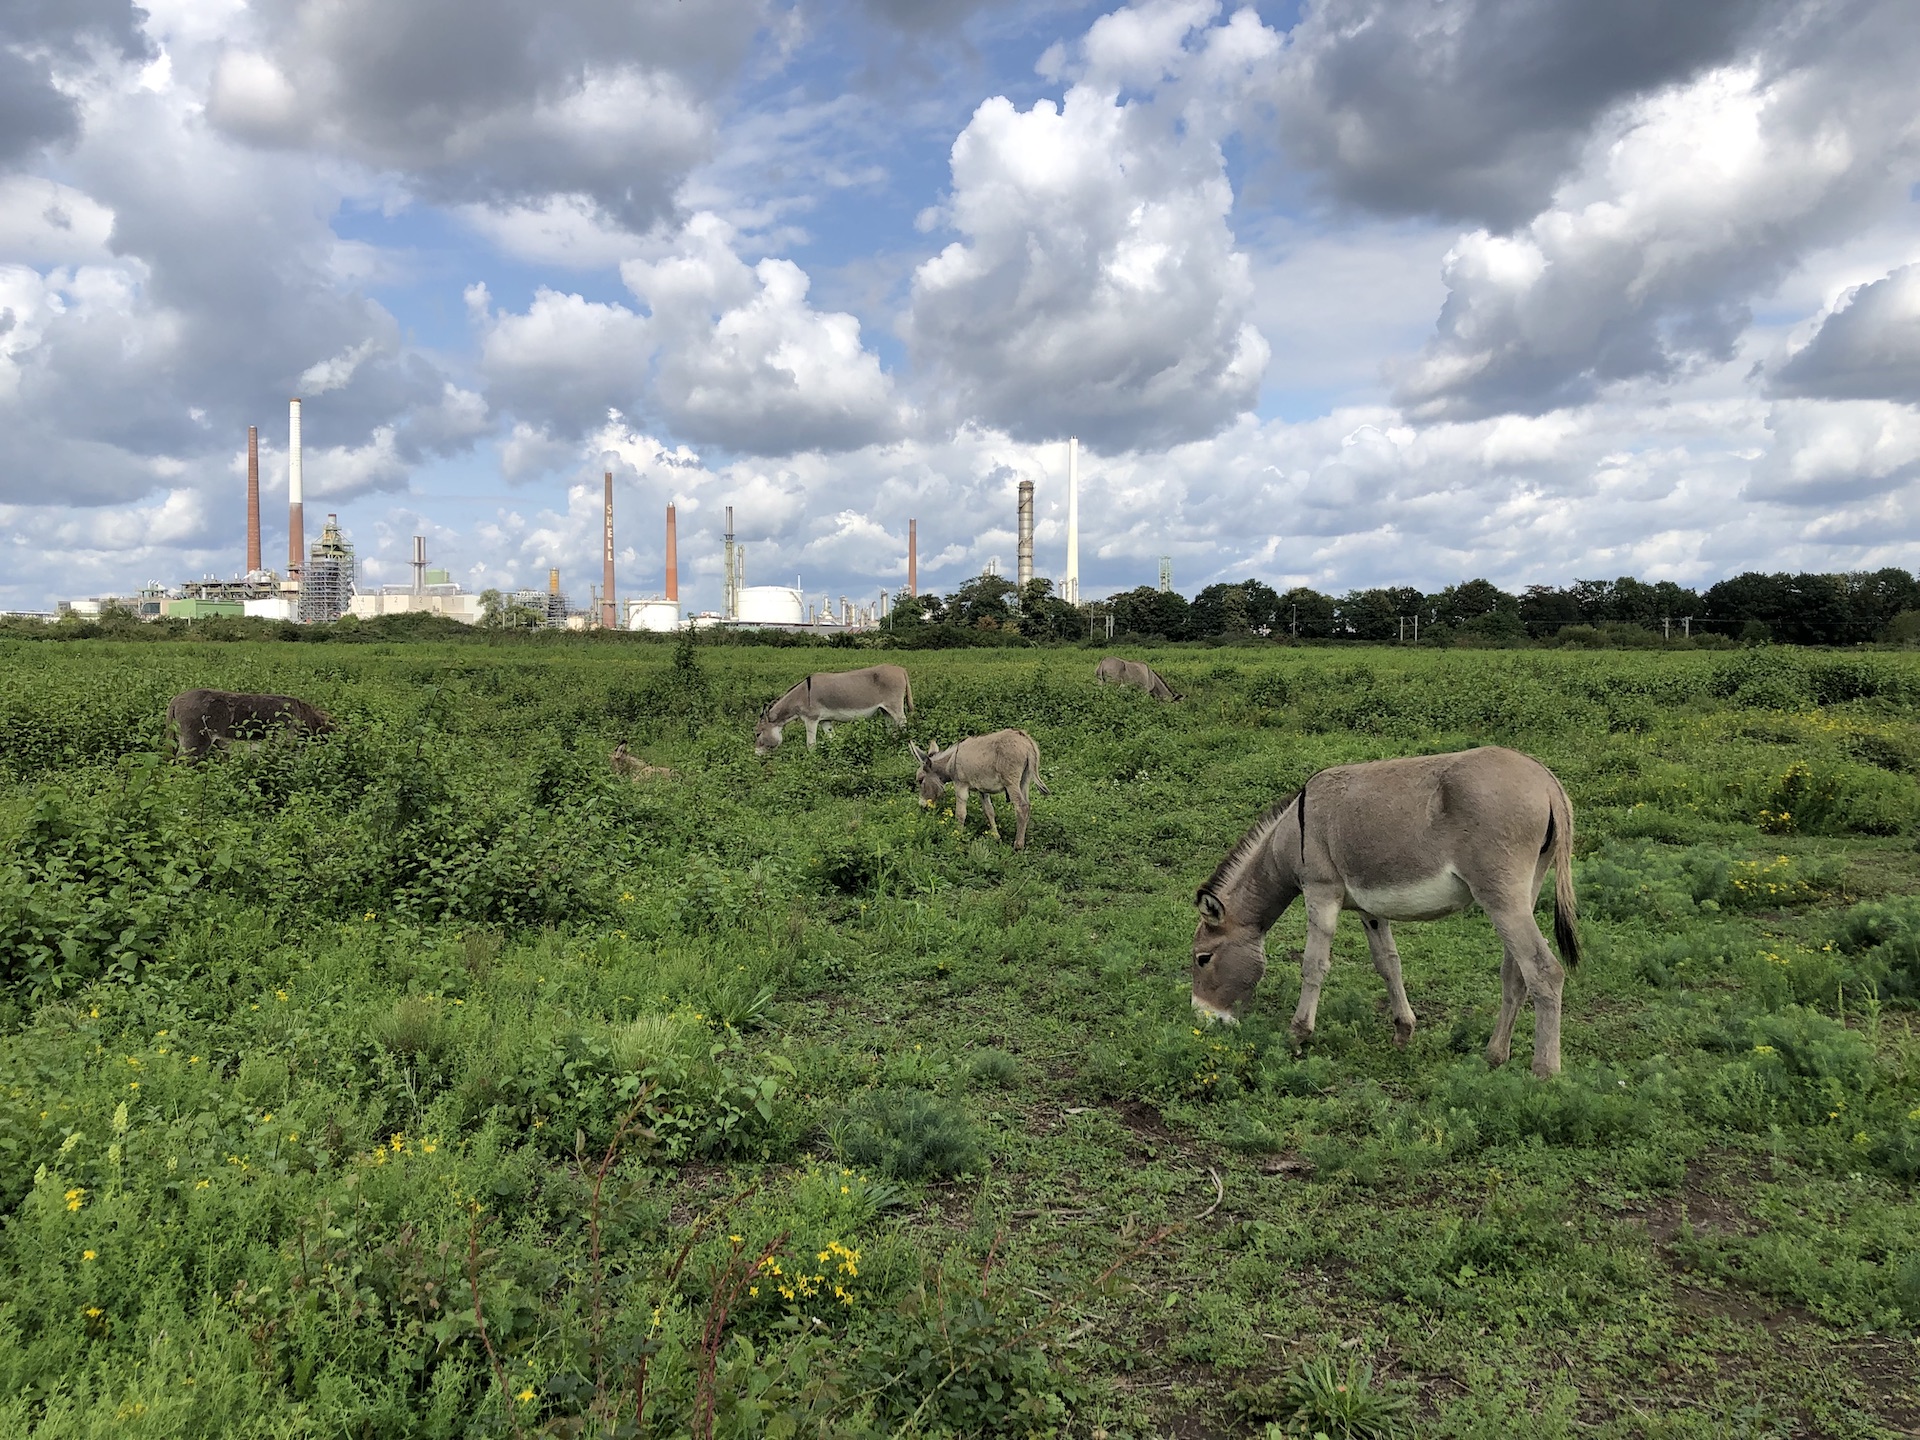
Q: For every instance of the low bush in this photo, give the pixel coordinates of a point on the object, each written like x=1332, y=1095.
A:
x=906, y=1135
x=1885, y=936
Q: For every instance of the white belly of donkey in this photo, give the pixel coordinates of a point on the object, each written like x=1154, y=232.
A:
x=1444, y=893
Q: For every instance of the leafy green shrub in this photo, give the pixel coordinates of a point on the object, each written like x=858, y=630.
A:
x=1906, y=1287
x=1764, y=678
x=1595, y=1106
x=905, y=1135
x=951, y=1358
x=1318, y=1399
x=88, y=895
x=1795, y=1064
x=1654, y=883
x=1885, y=934
x=1833, y=798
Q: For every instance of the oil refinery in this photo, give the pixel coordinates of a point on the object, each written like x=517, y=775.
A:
x=320, y=583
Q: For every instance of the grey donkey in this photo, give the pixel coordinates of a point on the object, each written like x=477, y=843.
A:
x=1115, y=671
x=201, y=719
x=1003, y=763
x=835, y=695
x=1410, y=839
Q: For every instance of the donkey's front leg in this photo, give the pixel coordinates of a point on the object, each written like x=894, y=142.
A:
x=960, y=806
x=986, y=803
x=813, y=731
x=1322, y=916
x=1386, y=960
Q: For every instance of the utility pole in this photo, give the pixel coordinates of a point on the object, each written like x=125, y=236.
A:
x=1295, y=624
x=1686, y=627
x=1666, y=627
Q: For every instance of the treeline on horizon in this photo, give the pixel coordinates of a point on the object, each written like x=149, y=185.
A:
x=1797, y=609
x=1875, y=607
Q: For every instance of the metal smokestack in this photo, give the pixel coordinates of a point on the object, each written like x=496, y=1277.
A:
x=1071, y=588
x=296, y=500
x=728, y=596
x=673, y=556
x=606, y=579
x=419, y=564
x=553, y=582
x=913, y=557
x=253, y=498
x=1025, y=565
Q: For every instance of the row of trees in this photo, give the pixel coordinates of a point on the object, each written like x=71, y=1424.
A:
x=1796, y=609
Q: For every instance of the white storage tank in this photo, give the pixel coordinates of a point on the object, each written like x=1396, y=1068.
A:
x=772, y=605
x=660, y=616
x=282, y=608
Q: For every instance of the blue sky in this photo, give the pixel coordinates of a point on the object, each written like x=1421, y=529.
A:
x=1349, y=293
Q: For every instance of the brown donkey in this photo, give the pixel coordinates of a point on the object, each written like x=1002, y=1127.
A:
x=1410, y=839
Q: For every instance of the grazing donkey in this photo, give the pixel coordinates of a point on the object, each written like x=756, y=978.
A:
x=1115, y=671
x=835, y=695
x=629, y=766
x=1410, y=839
x=1003, y=763
x=201, y=719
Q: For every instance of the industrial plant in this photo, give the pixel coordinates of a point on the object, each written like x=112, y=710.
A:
x=320, y=583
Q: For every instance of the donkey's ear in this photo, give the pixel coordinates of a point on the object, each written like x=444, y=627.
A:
x=919, y=756
x=1210, y=906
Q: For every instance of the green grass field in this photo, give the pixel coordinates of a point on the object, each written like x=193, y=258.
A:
x=315, y=1060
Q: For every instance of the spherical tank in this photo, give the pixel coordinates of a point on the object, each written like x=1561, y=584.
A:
x=655, y=615
x=772, y=605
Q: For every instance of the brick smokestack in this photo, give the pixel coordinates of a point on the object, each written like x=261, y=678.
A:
x=606, y=580
x=296, y=498
x=253, y=498
x=673, y=556
x=913, y=557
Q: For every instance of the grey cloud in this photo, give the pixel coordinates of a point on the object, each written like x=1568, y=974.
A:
x=1687, y=205
x=494, y=100
x=1473, y=110
x=1097, y=291
x=139, y=366
x=37, y=39
x=1868, y=349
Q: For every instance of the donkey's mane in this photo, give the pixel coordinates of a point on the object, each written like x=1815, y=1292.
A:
x=1255, y=837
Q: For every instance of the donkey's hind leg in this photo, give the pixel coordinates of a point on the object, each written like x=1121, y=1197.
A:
x=1386, y=960
x=1543, y=977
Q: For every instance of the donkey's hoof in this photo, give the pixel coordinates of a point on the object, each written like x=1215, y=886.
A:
x=1402, y=1033
x=1497, y=1057
x=1302, y=1036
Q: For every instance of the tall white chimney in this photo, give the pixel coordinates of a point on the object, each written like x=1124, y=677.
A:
x=296, y=508
x=1070, y=588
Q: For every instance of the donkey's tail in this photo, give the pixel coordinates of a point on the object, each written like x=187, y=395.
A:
x=909, y=692
x=1566, y=913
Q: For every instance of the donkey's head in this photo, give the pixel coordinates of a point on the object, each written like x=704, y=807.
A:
x=1229, y=957
x=768, y=734
x=312, y=718
x=929, y=781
